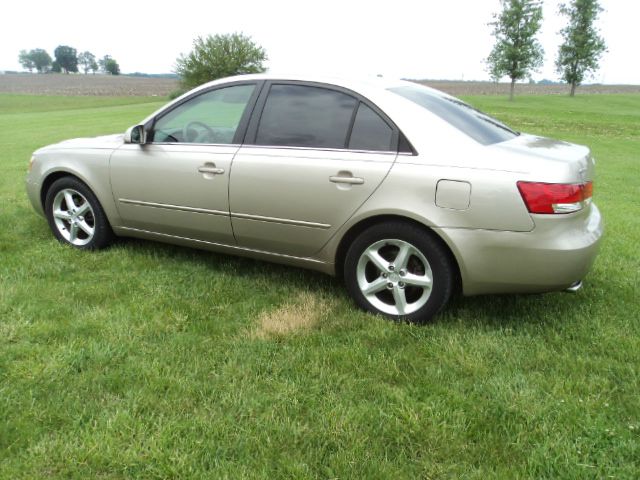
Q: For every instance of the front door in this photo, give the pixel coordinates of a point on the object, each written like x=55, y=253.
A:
x=178, y=183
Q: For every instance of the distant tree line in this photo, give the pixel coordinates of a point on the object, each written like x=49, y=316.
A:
x=517, y=51
x=66, y=60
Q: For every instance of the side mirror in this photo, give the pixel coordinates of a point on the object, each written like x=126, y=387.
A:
x=135, y=134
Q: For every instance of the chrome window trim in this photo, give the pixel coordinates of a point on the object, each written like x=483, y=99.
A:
x=316, y=149
x=180, y=144
x=283, y=147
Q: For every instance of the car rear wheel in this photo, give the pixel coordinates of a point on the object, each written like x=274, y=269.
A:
x=399, y=270
x=75, y=215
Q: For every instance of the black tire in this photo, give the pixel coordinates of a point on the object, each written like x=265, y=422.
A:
x=91, y=218
x=422, y=301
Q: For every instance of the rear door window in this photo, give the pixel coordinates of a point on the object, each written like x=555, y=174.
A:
x=370, y=131
x=305, y=116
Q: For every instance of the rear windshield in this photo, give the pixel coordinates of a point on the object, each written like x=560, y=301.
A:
x=479, y=126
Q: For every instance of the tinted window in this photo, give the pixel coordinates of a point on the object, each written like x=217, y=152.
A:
x=301, y=116
x=212, y=117
x=370, y=132
x=477, y=125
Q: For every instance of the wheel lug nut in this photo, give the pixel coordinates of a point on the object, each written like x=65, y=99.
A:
x=402, y=273
x=385, y=275
x=391, y=268
x=401, y=284
x=389, y=285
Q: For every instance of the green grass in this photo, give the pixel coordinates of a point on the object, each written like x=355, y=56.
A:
x=153, y=361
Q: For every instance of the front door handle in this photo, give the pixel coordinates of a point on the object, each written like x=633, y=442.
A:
x=348, y=180
x=211, y=169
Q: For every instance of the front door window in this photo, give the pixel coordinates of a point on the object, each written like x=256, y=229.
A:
x=210, y=118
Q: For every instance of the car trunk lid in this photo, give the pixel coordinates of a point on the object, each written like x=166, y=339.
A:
x=574, y=161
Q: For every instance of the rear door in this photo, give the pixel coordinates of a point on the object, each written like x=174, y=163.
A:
x=312, y=156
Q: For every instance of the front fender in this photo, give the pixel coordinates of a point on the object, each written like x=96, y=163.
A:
x=91, y=166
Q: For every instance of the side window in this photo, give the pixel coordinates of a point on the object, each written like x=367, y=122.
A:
x=304, y=116
x=212, y=117
x=370, y=132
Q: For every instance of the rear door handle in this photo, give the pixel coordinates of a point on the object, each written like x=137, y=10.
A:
x=212, y=170
x=348, y=180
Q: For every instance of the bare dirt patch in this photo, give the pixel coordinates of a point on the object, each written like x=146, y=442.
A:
x=86, y=85
x=299, y=315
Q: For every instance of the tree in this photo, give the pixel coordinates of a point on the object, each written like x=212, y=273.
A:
x=41, y=59
x=67, y=58
x=109, y=65
x=36, y=58
x=219, y=56
x=26, y=61
x=87, y=60
x=112, y=67
x=517, y=51
x=582, y=48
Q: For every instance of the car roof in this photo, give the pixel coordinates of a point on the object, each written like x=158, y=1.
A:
x=356, y=83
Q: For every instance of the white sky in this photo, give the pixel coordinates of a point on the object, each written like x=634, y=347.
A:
x=435, y=39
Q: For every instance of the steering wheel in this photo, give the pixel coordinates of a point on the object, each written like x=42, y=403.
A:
x=197, y=127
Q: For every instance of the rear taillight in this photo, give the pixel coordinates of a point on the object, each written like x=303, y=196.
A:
x=555, y=197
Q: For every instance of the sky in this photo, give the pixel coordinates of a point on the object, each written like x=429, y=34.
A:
x=422, y=39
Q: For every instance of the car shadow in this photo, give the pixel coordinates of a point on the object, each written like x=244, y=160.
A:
x=512, y=311
x=240, y=266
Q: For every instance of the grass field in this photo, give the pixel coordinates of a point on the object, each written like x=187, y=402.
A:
x=153, y=361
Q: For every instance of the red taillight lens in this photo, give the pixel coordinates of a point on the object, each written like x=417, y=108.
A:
x=555, y=197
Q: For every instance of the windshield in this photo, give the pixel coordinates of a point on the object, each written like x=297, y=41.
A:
x=479, y=126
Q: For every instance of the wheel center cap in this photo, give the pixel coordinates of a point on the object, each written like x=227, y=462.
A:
x=394, y=277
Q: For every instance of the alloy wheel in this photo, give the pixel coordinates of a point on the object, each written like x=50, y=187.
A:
x=394, y=276
x=73, y=217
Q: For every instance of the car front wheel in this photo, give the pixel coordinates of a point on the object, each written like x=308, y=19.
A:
x=75, y=215
x=399, y=270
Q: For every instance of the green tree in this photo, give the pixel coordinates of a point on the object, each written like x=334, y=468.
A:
x=41, y=59
x=220, y=56
x=517, y=52
x=112, y=67
x=67, y=58
x=26, y=61
x=87, y=60
x=109, y=65
x=582, y=47
x=36, y=58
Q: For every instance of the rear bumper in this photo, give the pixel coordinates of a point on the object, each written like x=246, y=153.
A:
x=556, y=254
